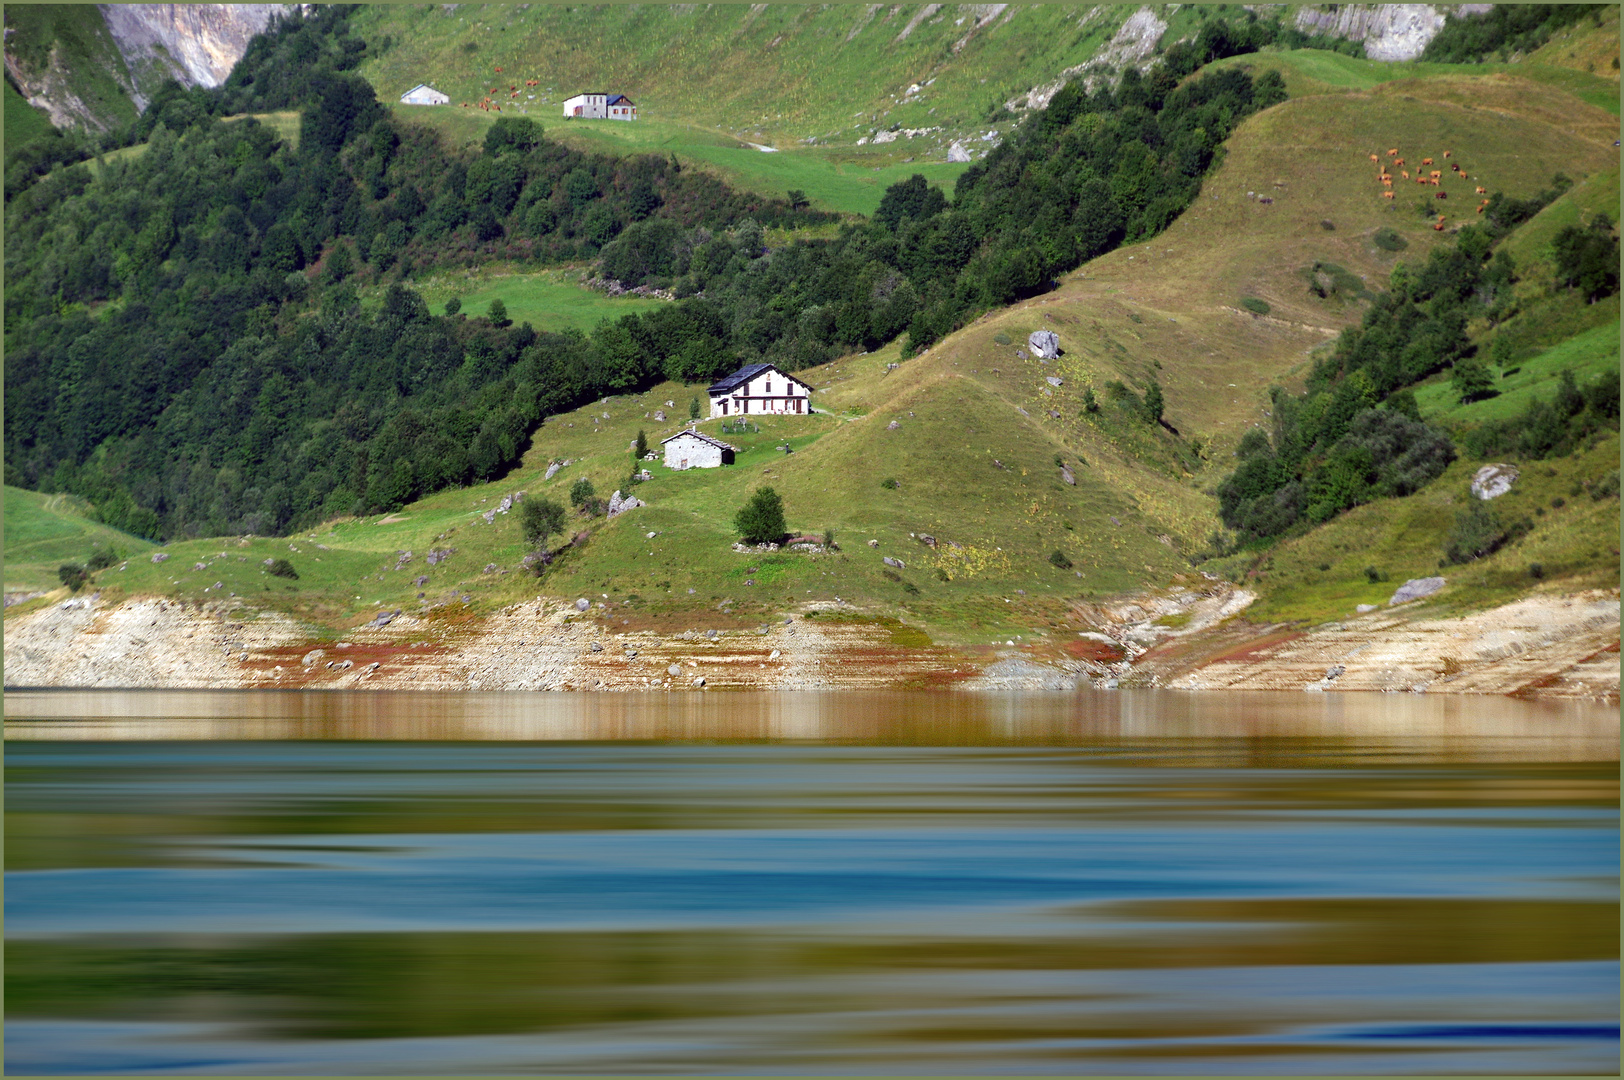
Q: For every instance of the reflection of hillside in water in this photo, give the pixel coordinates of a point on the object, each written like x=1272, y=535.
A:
x=1452, y=727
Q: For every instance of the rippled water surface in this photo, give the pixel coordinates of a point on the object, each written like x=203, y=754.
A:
x=802, y=883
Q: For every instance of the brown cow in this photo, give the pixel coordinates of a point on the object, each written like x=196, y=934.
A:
x=1480, y=209
x=1373, y=157
x=1387, y=194
x=1446, y=153
x=499, y=71
x=1392, y=153
x=1438, y=227
x=1405, y=174
x=1441, y=195
x=1435, y=174
x=1387, y=181
x=1426, y=161
x=1481, y=190
x=1399, y=163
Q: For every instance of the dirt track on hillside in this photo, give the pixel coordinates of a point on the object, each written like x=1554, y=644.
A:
x=1556, y=646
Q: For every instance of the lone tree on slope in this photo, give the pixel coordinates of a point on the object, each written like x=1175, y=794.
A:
x=761, y=520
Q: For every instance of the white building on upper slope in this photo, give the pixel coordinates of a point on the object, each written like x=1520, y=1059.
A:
x=423, y=94
x=596, y=106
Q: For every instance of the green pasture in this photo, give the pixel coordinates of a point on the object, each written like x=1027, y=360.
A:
x=1311, y=71
x=1587, y=355
x=774, y=74
x=45, y=531
x=549, y=300
x=848, y=180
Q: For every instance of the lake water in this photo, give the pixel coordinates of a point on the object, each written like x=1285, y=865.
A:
x=1134, y=882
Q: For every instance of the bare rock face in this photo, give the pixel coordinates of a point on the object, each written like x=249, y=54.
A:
x=196, y=44
x=958, y=153
x=1389, y=31
x=1493, y=481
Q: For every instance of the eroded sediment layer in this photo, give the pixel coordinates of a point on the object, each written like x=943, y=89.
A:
x=1556, y=646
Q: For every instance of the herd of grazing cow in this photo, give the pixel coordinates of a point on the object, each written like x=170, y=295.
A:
x=489, y=104
x=1433, y=177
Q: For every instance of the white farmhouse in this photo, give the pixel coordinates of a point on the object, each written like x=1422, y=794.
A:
x=598, y=106
x=696, y=450
x=759, y=388
x=423, y=94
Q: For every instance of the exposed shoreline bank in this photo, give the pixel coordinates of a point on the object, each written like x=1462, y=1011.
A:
x=1538, y=647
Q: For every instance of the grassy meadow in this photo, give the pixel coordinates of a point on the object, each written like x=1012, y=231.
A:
x=1588, y=355
x=550, y=300
x=45, y=531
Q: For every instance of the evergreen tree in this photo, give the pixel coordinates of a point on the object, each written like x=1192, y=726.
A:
x=761, y=520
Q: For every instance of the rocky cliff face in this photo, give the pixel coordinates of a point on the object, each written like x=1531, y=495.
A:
x=93, y=76
x=1389, y=31
x=195, y=44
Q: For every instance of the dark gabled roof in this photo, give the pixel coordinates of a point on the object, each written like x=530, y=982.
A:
x=745, y=374
x=702, y=437
x=620, y=99
x=739, y=377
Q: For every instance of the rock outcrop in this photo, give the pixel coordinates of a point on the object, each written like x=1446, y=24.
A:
x=1389, y=31
x=145, y=44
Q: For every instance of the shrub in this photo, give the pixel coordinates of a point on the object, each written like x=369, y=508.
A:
x=1153, y=402
x=1558, y=503
x=1471, y=380
x=1389, y=240
x=539, y=519
x=890, y=483
x=1478, y=531
x=498, y=314
x=829, y=539
x=1324, y=566
x=761, y=520
x=101, y=559
x=1606, y=487
x=910, y=588
x=581, y=492
x=72, y=575
x=642, y=445
x=1091, y=404
x=693, y=409
x=452, y=306
x=283, y=569
x=1536, y=570
x=1254, y=305
x=890, y=575
x=1374, y=576
x=1058, y=558
x=1000, y=338
x=941, y=575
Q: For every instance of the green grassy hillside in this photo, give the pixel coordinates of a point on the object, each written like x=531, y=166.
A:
x=45, y=531
x=981, y=434
x=774, y=74
x=23, y=121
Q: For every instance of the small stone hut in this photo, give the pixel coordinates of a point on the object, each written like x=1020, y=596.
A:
x=696, y=450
